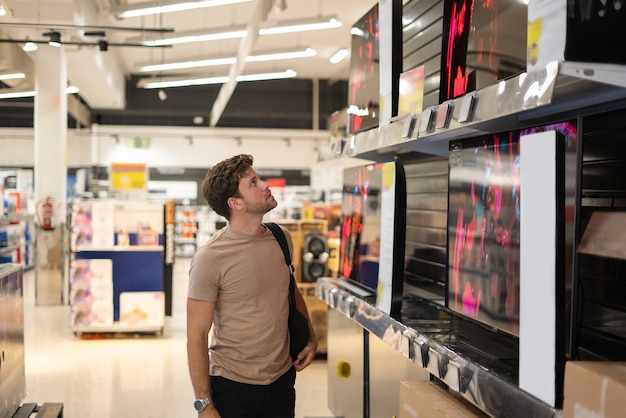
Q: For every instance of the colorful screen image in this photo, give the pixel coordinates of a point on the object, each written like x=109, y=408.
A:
x=359, y=252
x=484, y=41
x=484, y=226
x=364, y=80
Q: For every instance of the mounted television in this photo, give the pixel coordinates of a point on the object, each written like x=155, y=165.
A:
x=483, y=42
x=364, y=79
x=371, y=252
x=484, y=192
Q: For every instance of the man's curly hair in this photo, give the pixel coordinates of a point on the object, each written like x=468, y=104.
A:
x=222, y=182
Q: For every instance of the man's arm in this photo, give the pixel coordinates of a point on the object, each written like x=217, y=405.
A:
x=199, y=322
x=307, y=355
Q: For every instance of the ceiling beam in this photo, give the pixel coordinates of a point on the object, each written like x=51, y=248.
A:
x=260, y=14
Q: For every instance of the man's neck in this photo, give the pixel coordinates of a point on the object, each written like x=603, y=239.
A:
x=248, y=225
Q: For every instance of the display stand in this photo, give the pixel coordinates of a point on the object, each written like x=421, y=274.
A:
x=117, y=267
x=47, y=410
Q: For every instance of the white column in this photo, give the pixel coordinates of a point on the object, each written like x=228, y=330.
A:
x=51, y=129
x=51, y=170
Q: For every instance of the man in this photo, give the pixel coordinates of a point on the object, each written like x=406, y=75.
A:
x=239, y=290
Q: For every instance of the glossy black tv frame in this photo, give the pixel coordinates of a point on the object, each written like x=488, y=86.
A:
x=358, y=180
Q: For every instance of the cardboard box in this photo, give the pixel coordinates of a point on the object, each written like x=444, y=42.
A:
x=594, y=389
x=426, y=399
x=576, y=31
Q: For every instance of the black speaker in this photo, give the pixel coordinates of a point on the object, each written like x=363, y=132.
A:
x=314, y=256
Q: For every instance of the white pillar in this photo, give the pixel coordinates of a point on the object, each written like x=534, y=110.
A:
x=51, y=169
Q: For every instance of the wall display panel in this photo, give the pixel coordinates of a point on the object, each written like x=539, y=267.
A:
x=426, y=229
x=483, y=42
x=484, y=226
x=599, y=329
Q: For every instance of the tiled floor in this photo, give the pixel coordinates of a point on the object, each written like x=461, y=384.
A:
x=133, y=376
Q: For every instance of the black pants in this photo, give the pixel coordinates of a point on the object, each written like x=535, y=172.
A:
x=241, y=400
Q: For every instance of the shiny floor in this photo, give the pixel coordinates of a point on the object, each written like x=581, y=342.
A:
x=130, y=376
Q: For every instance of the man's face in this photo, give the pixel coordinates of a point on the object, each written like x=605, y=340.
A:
x=255, y=194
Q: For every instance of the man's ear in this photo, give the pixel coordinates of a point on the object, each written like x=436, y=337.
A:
x=234, y=203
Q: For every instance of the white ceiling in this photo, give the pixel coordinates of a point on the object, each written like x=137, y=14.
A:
x=100, y=76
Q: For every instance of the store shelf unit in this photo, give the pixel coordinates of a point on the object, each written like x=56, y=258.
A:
x=17, y=240
x=117, y=279
x=194, y=226
x=430, y=333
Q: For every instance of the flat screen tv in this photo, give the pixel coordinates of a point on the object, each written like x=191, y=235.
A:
x=364, y=78
x=483, y=41
x=373, y=226
x=484, y=192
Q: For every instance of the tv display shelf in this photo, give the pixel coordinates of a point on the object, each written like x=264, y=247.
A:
x=428, y=339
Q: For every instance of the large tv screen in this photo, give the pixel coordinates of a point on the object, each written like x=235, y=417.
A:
x=373, y=230
x=484, y=41
x=364, y=79
x=484, y=193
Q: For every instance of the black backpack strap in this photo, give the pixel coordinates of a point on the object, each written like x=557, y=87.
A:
x=282, y=241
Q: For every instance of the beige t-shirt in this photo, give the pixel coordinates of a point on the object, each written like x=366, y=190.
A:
x=248, y=278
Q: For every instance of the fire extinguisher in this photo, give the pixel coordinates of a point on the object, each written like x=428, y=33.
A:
x=47, y=214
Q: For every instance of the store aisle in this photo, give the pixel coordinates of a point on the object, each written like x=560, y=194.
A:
x=132, y=376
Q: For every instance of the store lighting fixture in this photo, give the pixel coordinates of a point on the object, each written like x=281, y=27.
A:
x=11, y=76
x=165, y=6
x=212, y=62
x=31, y=93
x=339, y=56
x=29, y=46
x=304, y=53
x=232, y=32
x=3, y=11
x=199, y=36
x=162, y=84
x=300, y=26
x=55, y=39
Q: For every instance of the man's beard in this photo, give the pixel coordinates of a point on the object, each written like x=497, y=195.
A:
x=260, y=208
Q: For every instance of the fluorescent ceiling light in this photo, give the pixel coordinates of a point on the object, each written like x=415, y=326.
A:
x=161, y=84
x=165, y=6
x=188, y=64
x=200, y=36
x=308, y=52
x=233, y=32
x=20, y=94
x=211, y=62
x=267, y=76
x=3, y=11
x=339, y=56
x=12, y=76
x=300, y=26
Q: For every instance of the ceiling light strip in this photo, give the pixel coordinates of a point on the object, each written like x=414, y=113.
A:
x=149, y=8
x=12, y=76
x=233, y=32
x=211, y=62
x=31, y=93
x=162, y=84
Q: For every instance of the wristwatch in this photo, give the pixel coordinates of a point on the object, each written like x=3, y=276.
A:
x=200, y=404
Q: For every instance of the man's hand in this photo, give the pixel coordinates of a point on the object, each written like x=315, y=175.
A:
x=306, y=356
x=209, y=412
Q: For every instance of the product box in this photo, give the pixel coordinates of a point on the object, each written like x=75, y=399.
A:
x=426, y=399
x=594, y=389
x=575, y=30
x=318, y=312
